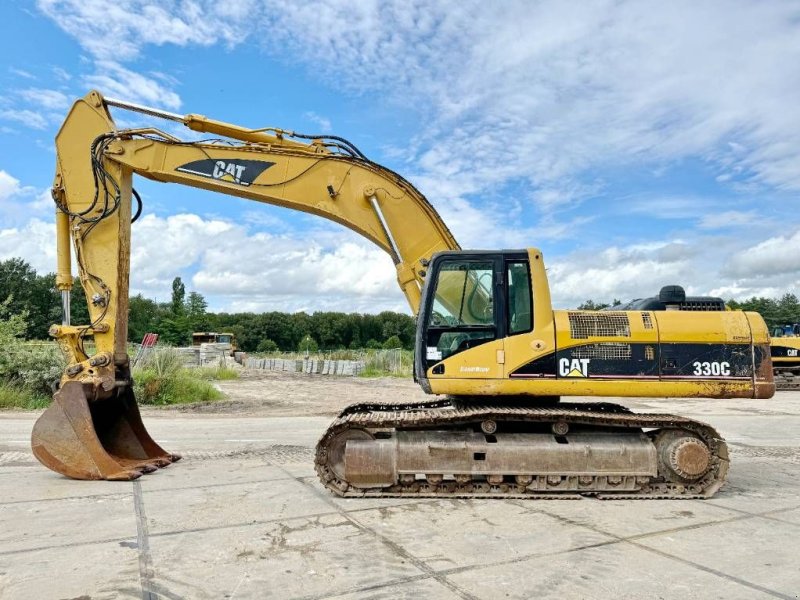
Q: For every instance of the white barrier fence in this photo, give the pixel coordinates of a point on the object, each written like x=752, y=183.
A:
x=347, y=368
x=204, y=357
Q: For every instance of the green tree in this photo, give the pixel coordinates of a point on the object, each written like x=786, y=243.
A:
x=392, y=343
x=175, y=331
x=195, y=307
x=178, y=296
x=143, y=317
x=308, y=344
x=592, y=305
x=267, y=345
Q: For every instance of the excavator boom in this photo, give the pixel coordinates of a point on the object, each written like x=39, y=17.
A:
x=93, y=429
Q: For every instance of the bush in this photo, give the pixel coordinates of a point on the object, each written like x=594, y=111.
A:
x=179, y=388
x=16, y=396
x=27, y=369
x=267, y=345
x=161, y=378
x=32, y=365
x=308, y=344
x=392, y=343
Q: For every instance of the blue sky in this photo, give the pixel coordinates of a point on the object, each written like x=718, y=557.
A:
x=638, y=144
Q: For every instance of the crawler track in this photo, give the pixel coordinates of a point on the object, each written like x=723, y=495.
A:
x=465, y=415
x=787, y=378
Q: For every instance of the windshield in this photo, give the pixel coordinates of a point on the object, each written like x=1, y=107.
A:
x=464, y=294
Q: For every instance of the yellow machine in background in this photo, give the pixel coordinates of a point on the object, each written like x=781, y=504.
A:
x=785, y=350
x=488, y=341
x=224, y=341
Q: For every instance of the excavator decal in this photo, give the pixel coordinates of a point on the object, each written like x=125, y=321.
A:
x=573, y=367
x=639, y=361
x=240, y=172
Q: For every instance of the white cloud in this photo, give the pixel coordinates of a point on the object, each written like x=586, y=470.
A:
x=553, y=92
x=729, y=218
x=556, y=90
x=34, y=242
x=62, y=74
x=117, y=81
x=21, y=73
x=50, y=99
x=323, y=122
x=774, y=256
x=734, y=265
x=24, y=116
x=240, y=270
x=9, y=186
x=550, y=97
x=118, y=31
x=16, y=206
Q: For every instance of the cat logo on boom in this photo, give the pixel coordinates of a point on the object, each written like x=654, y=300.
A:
x=241, y=172
x=573, y=367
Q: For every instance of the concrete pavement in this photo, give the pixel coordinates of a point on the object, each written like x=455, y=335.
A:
x=243, y=516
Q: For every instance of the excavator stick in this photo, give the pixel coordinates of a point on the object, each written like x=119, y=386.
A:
x=102, y=439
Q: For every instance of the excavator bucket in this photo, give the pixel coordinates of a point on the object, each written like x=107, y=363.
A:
x=104, y=439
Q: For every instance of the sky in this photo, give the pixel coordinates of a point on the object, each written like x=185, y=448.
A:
x=637, y=144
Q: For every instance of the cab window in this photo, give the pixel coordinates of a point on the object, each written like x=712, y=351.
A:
x=520, y=304
x=462, y=315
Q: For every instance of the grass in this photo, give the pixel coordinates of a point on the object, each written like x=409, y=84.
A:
x=162, y=379
x=216, y=373
x=181, y=387
x=17, y=396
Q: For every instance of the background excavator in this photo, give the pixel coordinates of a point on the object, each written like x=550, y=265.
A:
x=784, y=343
x=488, y=341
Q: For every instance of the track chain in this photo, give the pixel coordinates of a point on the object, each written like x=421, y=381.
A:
x=455, y=413
x=786, y=378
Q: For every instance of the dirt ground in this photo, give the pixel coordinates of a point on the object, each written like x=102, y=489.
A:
x=278, y=394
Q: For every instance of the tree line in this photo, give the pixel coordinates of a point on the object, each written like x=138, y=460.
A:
x=186, y=312
x=26, y=292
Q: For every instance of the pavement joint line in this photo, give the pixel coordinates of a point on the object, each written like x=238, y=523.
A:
x=278, y=519
x=245, y=524
x=146, y=572
x=757, y=514
x=723, y=575
x=215, y=485
x=87, y=497
x=68, y=545
x=369, y=588
x=392, y=545
x=775, y=519
x=633, y=540
x=267, y=521
x=649, y=534
x=152, y=491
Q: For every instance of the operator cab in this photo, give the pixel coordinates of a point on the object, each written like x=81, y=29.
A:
x=471, y=298
x=787, y=331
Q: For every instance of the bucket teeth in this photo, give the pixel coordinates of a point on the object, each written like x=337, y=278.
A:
x=104, y=439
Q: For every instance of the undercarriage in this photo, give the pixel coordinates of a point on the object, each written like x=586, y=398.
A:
x=467, y=448
x=786, y=378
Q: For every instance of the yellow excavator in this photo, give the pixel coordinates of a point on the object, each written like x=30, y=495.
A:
x=488, y=344
x=785, y=346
